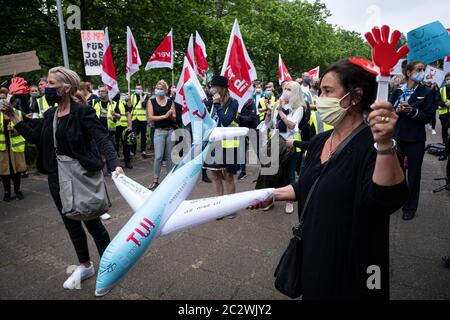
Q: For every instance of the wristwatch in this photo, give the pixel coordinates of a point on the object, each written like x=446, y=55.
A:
x=390, y=150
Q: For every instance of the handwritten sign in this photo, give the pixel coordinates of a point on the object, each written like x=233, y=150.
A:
x=436, y=75
x=20, y=62
x=92, y=42
x=428, y=43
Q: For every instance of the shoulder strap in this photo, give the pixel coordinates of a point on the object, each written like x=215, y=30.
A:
x=334, y=156
x=55, y=120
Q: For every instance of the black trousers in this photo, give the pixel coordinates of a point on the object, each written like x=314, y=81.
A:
x=140, y=127
x=125, y=146
x=75, y=228
x=112, y=138
x=444, y=119
x=414, y=151
x=6, y=180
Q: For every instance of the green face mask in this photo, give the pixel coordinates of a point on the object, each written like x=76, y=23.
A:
x=330, y=110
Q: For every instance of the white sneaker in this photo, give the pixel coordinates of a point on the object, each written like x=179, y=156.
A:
x=105, y=216
x=289, y=207
x=80, y=274
x=433, y=132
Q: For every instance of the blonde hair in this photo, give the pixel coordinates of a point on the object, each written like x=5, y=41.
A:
x=68, y=78
x=296, y=100
x=162, y=83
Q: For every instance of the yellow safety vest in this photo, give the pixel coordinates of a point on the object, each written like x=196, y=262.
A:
x=318, y=124
x=310, y=96
x=231, y=144
x=262, y=103
x=110, y=110
x=444, y=110
x=16, y=140
x=123, y=121
x=138, y=111
x=43, y=106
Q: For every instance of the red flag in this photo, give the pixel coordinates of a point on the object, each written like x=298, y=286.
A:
x=314, y=73
x=200, y=56
x=186, y=74
x=133, y=58
x=190, y=55
x=238, y=68
x=163, y=55
x=283, y=73
x=108, y=72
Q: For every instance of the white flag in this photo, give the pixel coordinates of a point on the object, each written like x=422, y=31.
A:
x=133, y=58
x=186, y=74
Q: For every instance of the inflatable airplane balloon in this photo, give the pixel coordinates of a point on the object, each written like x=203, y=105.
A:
x=166, y=210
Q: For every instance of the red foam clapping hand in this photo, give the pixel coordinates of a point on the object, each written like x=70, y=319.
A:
x=18, y=86
x=384, y=53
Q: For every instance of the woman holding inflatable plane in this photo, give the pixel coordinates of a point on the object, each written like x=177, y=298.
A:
x=354, y=189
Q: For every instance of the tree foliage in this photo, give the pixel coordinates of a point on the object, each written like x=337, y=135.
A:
x=296, y=29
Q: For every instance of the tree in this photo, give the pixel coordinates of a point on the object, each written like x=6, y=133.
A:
x=296, y=29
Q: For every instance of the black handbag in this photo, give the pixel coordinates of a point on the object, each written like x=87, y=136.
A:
x=288, y=274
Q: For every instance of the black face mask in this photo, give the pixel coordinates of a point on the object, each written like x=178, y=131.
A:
x=52, y=96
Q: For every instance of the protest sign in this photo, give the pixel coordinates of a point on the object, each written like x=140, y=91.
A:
x=93, y=50
x=20, y=62
x=428, y=43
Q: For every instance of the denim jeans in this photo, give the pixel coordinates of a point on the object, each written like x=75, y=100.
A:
x=163, y=148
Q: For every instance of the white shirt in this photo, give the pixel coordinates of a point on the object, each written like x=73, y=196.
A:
x=305, y=89
x=294, y=117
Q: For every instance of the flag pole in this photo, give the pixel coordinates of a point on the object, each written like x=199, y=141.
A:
x=62, y=34
x=173, y=78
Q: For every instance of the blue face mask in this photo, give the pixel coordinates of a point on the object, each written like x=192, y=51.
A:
x=52, y=96
x=159, y=93
x=418, y=77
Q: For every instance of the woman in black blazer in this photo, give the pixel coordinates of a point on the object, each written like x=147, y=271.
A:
x=415, y=105
x=78, y=127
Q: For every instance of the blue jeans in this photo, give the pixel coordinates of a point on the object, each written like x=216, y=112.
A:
x=163, y=148
x=293, y=166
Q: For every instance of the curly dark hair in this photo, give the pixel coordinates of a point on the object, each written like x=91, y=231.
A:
x=352, y=77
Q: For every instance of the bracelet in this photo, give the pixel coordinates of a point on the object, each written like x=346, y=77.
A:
x=390, y=150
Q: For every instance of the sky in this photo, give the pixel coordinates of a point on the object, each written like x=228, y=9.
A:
x=403, y=15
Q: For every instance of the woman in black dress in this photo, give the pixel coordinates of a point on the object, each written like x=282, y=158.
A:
x=346, y=224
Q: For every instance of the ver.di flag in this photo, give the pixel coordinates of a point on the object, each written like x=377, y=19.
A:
x=108, y=72
x=238, y=68
x=190, y=55
x=133, y=58
x=283, y=73
x=186, y=74
x=163, y=55
x=200, y=56
x=314, y=73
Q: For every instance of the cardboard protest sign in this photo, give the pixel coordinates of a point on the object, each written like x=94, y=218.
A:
x=20, y=62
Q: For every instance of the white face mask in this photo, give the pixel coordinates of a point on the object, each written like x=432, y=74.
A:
x=286, y=96
x=330, y=110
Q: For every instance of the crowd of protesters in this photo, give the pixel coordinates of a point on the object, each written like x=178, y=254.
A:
x=310, y=117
